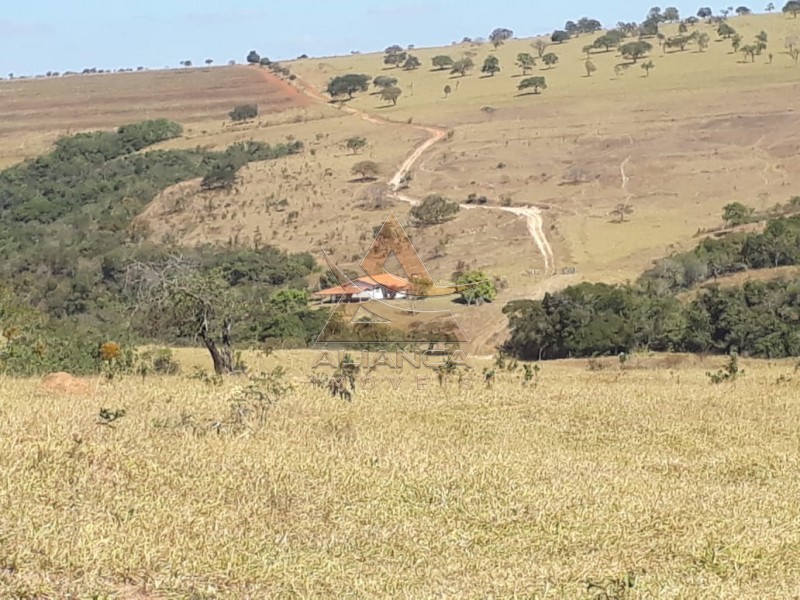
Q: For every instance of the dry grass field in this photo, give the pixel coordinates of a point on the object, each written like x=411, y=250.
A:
x=644, y=483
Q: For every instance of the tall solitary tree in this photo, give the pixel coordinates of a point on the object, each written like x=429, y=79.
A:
x=534, y=83
x=526, y=62
x=550, y=59
x=635, y=50
x=391, y=94
x=590, y=67
x=491, y=65
x=442, y=62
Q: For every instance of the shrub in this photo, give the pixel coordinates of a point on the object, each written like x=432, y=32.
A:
x=434, y=210
x=244, y=112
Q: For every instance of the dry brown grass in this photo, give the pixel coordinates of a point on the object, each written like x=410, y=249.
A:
x=503, y=492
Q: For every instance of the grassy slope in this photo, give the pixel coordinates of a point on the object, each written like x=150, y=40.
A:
x=688, y=486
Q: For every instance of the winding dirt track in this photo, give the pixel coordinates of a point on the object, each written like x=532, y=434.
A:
x=532, y=214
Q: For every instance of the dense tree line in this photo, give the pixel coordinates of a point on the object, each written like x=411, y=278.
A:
x=68, y=238
x=757, y=319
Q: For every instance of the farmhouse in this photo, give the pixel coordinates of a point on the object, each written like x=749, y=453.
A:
x=375, y=287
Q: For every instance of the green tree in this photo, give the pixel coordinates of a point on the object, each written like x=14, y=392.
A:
x=462, y=66
x=725, y=31
x=743, y=11
x=750, y=50
x=253, y=58
x=635, y=50
x=559, y=36
x=671, y=14
x=476, y=288
x=793, y=7
x=391, y=94
x=535, y=83
x=434, y=210
x=550, y=59
x=442, y=62
x=702, y=40
x=648, y=66
x=736, y=42
x=447, y=91
x=394, y=55
x=244, y=112
x=355, y=143
x=526, y=62
x=590, y=67
x=705, y=13
x=491, y=65
x=411, y=63
x=384, y=81
x=348, y=85
x=499, y=36
x=209, y=61
x=736, y=213
x=367, y=169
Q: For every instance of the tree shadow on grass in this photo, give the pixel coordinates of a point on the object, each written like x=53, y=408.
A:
x=539, y=93
x=369, y=179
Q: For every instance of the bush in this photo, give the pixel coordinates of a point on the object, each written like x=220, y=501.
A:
x=244, y=112
x=434, y=210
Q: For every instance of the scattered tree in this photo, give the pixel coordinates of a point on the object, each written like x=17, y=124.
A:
x=590, y=67
x=535, y=83
x=793, y=7
x=367, y=169
x=725, y=31
x=384, y=81
x=355, y=143
x=462, y=66
x=244, y=112
x=559, y=36
x=391, y=94
x=526, y=62
x=705, y=13
x=770, y=7
x=703, y=40
x=635, y=50
x=540, y=45
x=736, y=42
x=499, y=36
x=253, y=58
x=743, y=11
x=671, y=14
x=476, y=288
x=491, y=65
x=750, y=50
x=648, y=66
x=621, y=211
x=394, y=55
x=411, y=63
x=550, y=59
x=433, y=210
x=736, y=214
x=209, y=62
x=348, y=85
x=442, y=62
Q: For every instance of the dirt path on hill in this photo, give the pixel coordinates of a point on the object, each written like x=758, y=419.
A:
x=532, y=214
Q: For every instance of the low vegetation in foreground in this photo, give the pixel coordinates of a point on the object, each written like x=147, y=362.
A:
x=634, y=480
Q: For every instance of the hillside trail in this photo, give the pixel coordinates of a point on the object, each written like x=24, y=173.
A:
x=531, y=214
